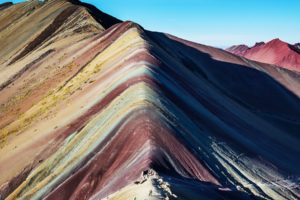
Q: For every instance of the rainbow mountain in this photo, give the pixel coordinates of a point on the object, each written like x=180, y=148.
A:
x=95, y=108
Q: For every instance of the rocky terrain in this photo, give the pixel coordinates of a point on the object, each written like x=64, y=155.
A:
x=95, y=108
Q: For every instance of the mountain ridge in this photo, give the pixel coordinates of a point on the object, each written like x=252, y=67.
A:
x=275, y=52
x=123, y=113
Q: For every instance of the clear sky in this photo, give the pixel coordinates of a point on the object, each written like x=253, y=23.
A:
x=219, y=23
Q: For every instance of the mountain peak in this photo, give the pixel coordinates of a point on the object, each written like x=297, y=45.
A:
x=94, y=108
x=277, y=42
x=275, y=52
x=104, y=19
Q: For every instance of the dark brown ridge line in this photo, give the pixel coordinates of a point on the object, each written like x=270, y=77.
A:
x=102, y=18
x=46, y=33
x=5, y=5
x=26, y=68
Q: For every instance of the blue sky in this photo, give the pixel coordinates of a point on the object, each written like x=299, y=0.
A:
x=218, y=23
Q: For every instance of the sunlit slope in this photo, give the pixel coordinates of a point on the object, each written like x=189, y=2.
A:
x=276, y=52
x=122, y=113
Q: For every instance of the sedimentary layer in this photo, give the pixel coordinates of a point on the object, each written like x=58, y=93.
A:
x=119, y=112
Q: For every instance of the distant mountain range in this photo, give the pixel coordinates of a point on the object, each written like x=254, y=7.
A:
x=92, y=107
x=276, y=52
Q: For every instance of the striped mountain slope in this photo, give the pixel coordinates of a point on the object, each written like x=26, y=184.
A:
x=95, y=108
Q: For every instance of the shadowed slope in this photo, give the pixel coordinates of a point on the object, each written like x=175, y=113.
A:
x=148, y=115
